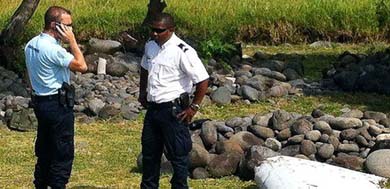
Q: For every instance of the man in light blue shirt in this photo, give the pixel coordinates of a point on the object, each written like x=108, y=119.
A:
x=49, y=66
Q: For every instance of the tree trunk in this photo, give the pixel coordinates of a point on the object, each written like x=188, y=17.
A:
x=154, y=7
x=18, y=21
x=13, y=30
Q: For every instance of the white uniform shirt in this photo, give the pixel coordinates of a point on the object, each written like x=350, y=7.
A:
x=173, y=69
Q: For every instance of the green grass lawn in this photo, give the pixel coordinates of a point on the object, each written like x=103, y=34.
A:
x=106, y=155
x=227, y=20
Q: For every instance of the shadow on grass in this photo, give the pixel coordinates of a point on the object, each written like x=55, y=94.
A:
x=253, y=186
x=361, y=101
x=135, y=170
x=316, y=63
x=88, y=187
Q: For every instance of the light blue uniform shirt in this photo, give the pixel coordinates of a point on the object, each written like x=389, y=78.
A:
x=47, y=64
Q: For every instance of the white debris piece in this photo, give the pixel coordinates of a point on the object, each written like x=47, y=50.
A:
x=283, y=172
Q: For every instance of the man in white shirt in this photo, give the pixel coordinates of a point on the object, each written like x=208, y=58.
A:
x=169, y=69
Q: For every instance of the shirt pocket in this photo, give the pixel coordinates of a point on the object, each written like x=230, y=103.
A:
x=167, y=70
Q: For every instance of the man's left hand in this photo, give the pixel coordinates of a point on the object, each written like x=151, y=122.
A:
x=186, y=115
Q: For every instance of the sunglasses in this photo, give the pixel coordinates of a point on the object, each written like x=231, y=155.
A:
x=59, y=24
x=158, y=30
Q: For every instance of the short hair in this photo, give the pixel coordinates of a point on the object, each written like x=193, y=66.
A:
x=53, y=14
x=166, y=18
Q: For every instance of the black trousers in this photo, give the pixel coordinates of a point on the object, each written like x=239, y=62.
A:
x=54, y=146
x=161, y=128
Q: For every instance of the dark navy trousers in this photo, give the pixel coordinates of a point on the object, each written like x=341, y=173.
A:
x=54, y=146
x=162, y=129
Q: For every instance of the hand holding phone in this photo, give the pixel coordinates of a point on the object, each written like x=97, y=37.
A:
x=59, y=28
x=65, y=32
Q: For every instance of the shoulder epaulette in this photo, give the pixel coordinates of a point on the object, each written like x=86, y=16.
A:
x=182, y=47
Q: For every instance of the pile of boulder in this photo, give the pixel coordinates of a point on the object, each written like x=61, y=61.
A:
x=256, y=78
x=237, y=145
x=359, y=72
x=110, y=88
x=113, y=93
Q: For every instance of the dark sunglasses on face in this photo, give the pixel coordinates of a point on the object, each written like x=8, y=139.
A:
x=158, y=30
x=59, y=24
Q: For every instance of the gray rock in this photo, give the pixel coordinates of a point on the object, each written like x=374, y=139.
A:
x=209, y=134
x=222, y=128
x=95, y=105
x=308, y=147
x=325, y=151
x=221, y=96
x=301, y=126
x=195, y=138
x=116, y=69
x=223, y=165
x=278, y=91
x=353, y=114
x=199, y=156
x=128, y=113
x=350, y=162
x=273, y=144
x=313, y=135
x=324, y=138
x=228, y=146
x=316, y=113
x=246, y=139
x=375, y=163
x=291, y=74
x=374, y=130
x=253, y=158
x=200, y=173
x=268, y=73
x=348, y=148
x=284, y=134
x=245, y=73
x=385, y=122
x=383, y=137
x=274, y=65
x=377, y=116
x=291, y=150
x=262, y=132
x=234, y=122
x=23, y=120
x=348, y=134
x=342, y=123
x=296, y=139
x=249, y=93
x=103, y=46
x=259, y=82
x=109, y=111
x=323, y=127
x=360, y=140
x=261, y=120
x=280, y=120
x=334, y=141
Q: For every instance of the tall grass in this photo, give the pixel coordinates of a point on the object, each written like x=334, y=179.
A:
x=226, y=19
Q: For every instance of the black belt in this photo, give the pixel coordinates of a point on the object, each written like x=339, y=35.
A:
x=46, y=98
x=162, y=105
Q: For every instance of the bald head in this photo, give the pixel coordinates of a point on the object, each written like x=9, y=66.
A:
x=165, y=18
x=54, y=14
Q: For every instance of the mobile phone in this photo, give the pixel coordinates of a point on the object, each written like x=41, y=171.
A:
x=58, y=27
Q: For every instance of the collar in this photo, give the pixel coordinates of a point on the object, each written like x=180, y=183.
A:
x=49, y=38
x=170, y=41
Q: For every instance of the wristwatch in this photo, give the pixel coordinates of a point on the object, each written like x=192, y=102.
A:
x=194, y=106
